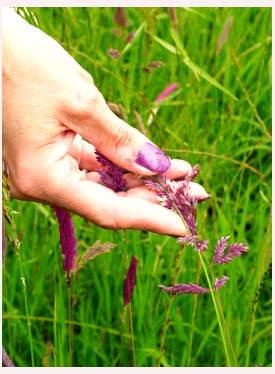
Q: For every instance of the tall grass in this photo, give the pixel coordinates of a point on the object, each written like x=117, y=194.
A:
x=200, y=122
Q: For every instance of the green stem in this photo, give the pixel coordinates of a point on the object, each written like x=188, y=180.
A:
x=70, y=327
x=193, y=317
x=132, y=334
x=168, y=307
x=216, y=309
x=17, y=244
x=164, y=329
x=26, y=307
x=223, y=319
x=55, y=328
x=226, y=330
x=7, y=308
x=208, y=281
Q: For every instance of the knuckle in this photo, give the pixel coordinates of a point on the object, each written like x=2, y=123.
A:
x=122, y=136
x=82, y=99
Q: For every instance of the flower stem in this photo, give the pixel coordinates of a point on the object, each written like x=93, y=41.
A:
x=70, y=327
x=26, y=308
x=216, y=309
x=55, y=328
x=208, y=281
x=17, y=244
x=193, y=316
x=132, y=334
x=223, y=319
x=168, y=307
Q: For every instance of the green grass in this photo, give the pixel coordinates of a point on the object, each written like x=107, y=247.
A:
x=202, y=123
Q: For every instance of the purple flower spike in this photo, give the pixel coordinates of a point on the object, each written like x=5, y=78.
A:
x=130, y=37
x=174, y=18
x=147, y=70
x=234, y=250
x=190, y=240
x=219, y=283
x=116, y=32
x=6, y=360
x=220, y=248
x=201, y=245
x=111, y=175
x=156, y=64
x=195, y=171
x=130, y=281
x=185, y=288
x=166, y=92
x=114, y=53
x=67, y=240
x=237, y=249
x=176, y=196
x=120, y=17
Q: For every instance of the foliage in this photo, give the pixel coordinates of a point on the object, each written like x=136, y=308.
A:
x=200, y=122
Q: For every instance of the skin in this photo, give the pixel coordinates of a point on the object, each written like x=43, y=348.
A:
x=50, y=104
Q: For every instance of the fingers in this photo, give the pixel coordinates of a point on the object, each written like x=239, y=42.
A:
x=104, y=208
x=142, y=192
x=177, y=170
x=84, y=154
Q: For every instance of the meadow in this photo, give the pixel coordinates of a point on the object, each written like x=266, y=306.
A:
x=219, y=117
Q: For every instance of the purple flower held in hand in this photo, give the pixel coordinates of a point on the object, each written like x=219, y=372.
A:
x=190, y=240
x=111, y=175
x=130, y=281
x=177, y=196
x=166, y=92
x=67, y=240
x=114, y=53
x=234, y=250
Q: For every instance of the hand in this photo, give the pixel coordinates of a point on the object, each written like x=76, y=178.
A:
x=49, y=104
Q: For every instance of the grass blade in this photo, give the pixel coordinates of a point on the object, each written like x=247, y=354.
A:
x=128, y=45
x=195, y=68
x=163, y=43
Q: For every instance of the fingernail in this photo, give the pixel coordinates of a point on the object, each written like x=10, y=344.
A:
x=201, y=199
x=153, y=158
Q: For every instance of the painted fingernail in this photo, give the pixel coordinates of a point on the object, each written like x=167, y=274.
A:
x=204, y=198
x=153, y=158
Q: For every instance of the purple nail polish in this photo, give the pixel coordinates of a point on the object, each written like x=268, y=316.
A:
x=153, y=158
x=204, y=198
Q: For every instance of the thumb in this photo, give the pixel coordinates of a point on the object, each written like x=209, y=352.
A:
x=121, y=143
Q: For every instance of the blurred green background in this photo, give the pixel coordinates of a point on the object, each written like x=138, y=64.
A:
x=218, y=117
